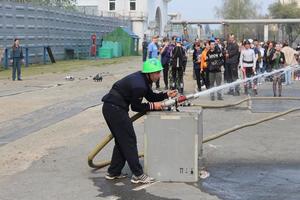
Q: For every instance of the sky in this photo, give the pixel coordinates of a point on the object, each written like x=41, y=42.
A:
x=204, y=9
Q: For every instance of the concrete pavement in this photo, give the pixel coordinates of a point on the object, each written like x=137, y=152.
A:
x=46, y=156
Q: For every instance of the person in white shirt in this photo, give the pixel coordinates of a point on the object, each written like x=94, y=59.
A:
x=262, y=63
x=290, y=58
x=248, y=65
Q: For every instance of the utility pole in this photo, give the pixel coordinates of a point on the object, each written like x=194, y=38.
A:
x=239, y=10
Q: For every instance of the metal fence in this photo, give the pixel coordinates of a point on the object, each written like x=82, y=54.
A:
x=38, y=27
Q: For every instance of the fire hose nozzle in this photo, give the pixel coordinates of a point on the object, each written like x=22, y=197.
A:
x=181, y=99
x=174, y=101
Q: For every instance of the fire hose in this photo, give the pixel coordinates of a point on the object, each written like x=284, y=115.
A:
x=178, y=100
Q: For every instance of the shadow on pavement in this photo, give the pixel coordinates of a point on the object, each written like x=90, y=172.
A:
x=122, y=189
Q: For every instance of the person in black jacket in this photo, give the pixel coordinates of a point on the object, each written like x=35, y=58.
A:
x=214, y=59
x=278, y=62
x=232, y=62
x=16, y=59
x=269, y=55
x=145, y=48
x=196, y=61
x=130, y=91
x=178, y=60
x=165, y=53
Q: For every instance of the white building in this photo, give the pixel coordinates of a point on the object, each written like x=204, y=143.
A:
x=148, y=16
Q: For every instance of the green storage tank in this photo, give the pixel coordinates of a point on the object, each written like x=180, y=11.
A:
x=129, y=41
x=105, y=52
x=115, y=46
x=117, y=49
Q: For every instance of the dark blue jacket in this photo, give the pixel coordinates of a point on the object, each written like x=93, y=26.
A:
x=214, y=60
x=16, y=53
x=196, y=58
x=166, y=54
x=234, y=53
x=131, y=90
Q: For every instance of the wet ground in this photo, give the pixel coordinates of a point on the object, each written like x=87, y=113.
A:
x=49, y=125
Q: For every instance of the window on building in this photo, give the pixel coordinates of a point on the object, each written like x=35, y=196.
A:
x=132, y=4
x=112, y=5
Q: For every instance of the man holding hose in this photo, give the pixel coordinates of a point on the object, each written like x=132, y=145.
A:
x=130, y=91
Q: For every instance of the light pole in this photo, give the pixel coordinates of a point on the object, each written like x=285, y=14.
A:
x=225, y=34
x=274, y=30
x=152, y=27
x=239, y=33
x=199, y=28
x=167, y=29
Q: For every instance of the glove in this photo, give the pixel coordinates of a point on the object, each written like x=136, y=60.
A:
x=172, y=93
x=157, y=106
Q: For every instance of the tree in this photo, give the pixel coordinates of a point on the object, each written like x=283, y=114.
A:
x=239, y=9
x=284, y=11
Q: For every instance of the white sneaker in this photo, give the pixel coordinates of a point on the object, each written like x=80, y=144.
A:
x=112, y=177
x=143, y=179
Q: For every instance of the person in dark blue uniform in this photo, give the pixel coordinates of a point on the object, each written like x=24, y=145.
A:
x=145, y=48
x=130, y=91
x=16, y=59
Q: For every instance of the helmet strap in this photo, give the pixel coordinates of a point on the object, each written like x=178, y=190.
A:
x=148, y=77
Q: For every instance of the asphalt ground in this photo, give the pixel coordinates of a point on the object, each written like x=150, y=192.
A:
x=48, y=125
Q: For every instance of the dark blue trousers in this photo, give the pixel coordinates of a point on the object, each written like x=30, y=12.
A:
x=16, y=67
x=125, y=148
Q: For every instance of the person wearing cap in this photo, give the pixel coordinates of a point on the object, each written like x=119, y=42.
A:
x=16, y=59
x=215, y=60
x=178, y=55
x=130, y=91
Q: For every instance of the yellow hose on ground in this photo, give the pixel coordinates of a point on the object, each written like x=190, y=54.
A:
x=103, y=143
x=109, y=137
x=227, y=131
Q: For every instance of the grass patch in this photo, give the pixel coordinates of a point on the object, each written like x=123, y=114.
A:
x=63, y=66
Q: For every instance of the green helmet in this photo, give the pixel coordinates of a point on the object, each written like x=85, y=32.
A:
x=152, y=65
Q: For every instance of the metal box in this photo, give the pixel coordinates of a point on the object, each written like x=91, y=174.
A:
x=173, y=143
